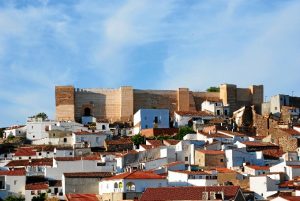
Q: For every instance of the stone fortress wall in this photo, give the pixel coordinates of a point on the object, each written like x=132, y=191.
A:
x=120, y=104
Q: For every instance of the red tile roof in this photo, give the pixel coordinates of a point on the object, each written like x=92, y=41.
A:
x=77, y=158
x=174, y=163
x=211, y=152
x=25, y=151
x=214, y=135
x=194, y=113
x=171, y=142
x=119, y=141
x=290, y=198
x=148, y=146
x=256, y=167
x=32, y=162
x=82, y=197
x=37, y=186
x=155, y=142
x=224, y=170
x=17, y=172
x=192, y=172
x=187, y=193
x=136, y=175
x=88, y=174
x=87, y=133
x=259, y=144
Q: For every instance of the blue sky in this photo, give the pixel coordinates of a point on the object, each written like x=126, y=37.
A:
x=149, y=44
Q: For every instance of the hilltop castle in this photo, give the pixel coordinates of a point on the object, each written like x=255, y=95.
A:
x=120, y=104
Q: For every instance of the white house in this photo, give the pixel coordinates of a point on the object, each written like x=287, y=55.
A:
x=192, y=178
x=256, y=170
x=88, y=139
x=290, y=168
x=235, y=158
x=263, y=186
x=37, y=128
x=76, y=164
x=12, y=182
x=15, y=131
x=150, y=118
x=184, y=118
x=35, y=189
x=216, y=107
x=130, y=183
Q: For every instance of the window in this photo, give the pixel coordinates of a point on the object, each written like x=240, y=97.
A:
x=29, y=157
x=33, y=136
x=100, y=164
x=222, y=160
x=65, y=140
x=103, y=127
x=32, y=192
x=130, y=186
x=120, y=185
x=115, y=185
x=146, y=126
x=20, y=158
x=275, y=108
x=40, y=153
x=15, y=182
x=225, y=112
x=186, y=158
x=53, y=134
x=70, y=153
x=218, y=112
x=48, y=152
x=155, y=120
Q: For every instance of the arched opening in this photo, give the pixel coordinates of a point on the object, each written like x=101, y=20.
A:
x=130, y=186
x=87, y=111
x=120, y=185
x=116, y=185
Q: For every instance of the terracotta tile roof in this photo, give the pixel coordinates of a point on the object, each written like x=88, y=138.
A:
x=32, y=162
x=136, y=175
x=174, y=163
x=258, y=144
x=192, y=172
x=37, y=186
x=294, y=166
x=82, y=197
x=155, y=142
x=25, y=151
x=273, y=153
x=256, y=167
x=88, y=174
x=194, y=113
x=40, y=148
x=64, y=148
x=77, y=158
x=17, y=172
x=171, y=142
x=215, y=135
x=119, y=141
x=187, y=193
x=87, y=133
x=225, y=170
x=232, y=133
x=148, y=146
x=213, y=99
x=211, y=152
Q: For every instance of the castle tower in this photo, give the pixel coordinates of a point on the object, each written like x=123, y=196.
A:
x=65, y=101
x=183, y=99
x=228, y=95
x=257, y=92
x=126, y=103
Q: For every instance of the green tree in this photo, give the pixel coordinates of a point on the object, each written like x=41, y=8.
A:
x=138, y=139
x=14, y=198
x=40, y=197
x=213, y=89
x=183, y=131
x=41, y=115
